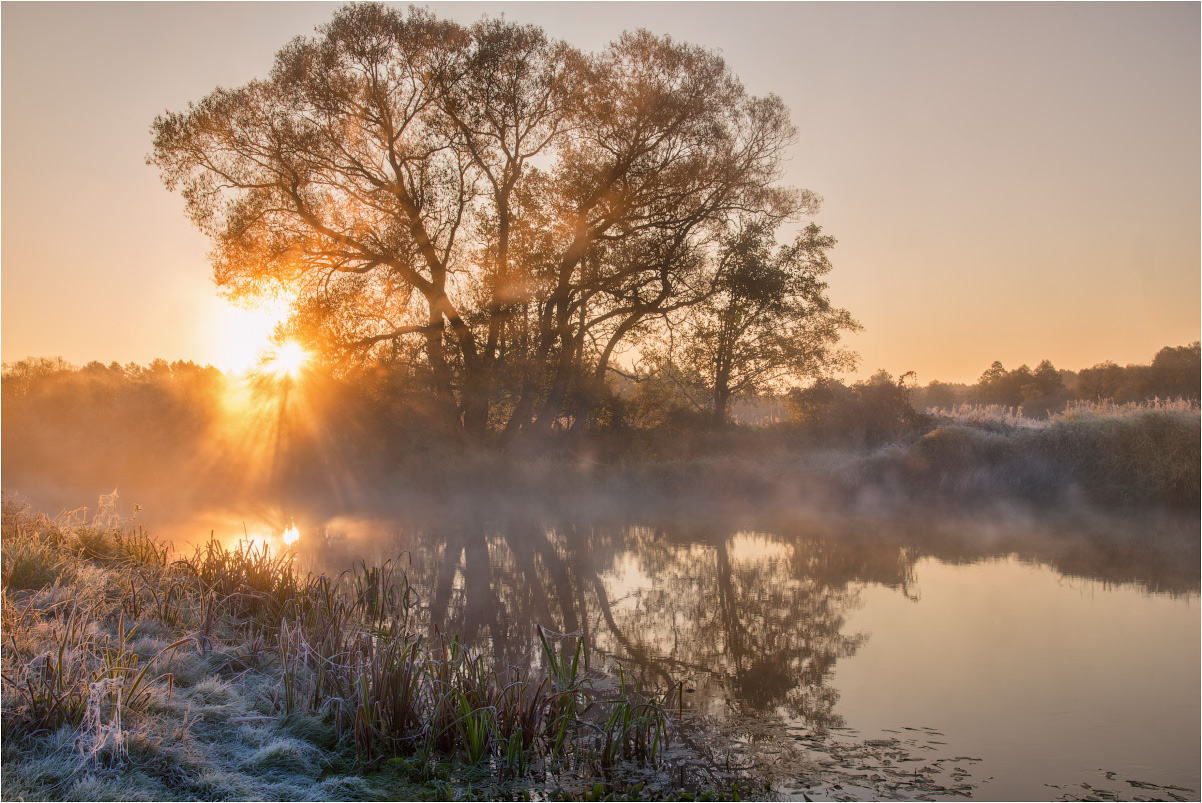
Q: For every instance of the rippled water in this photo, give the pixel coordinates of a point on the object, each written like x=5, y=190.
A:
x=1004, y=656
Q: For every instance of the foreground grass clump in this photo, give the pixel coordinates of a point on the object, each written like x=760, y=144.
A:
x=129, y=674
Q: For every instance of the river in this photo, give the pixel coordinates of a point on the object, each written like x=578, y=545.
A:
x=996, y=654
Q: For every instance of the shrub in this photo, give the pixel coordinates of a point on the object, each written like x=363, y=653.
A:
x=1146, y=454
x=868, y=413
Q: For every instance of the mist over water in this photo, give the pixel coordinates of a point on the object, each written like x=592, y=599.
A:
x=1049, y=647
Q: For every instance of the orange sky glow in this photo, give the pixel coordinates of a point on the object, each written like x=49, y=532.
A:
x=1007, y=182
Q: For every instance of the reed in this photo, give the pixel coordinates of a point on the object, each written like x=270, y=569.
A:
x=998, y=415
x=100, y=621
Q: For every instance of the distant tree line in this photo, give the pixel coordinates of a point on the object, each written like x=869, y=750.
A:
x=178, y=432
x=1174, y=373
x=383, y=410
x=43, y=376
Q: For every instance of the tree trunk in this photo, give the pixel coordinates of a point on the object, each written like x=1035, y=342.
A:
x=721, y=404
x=553, y=407
x=598, y=382
x=721, y=392
x=475, y=402
x=443, y=384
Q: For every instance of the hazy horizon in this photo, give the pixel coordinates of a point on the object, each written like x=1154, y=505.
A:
x=1006, y=182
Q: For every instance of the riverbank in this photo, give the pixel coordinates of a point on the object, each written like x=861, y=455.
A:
x=1135, y=457
x=132, y=674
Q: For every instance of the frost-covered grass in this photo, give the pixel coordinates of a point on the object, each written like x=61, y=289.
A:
x=993, y=415
x=133, y=674
x=1145, y=453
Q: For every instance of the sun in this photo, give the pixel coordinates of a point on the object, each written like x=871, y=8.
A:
x=241, y=337
x=288, y=360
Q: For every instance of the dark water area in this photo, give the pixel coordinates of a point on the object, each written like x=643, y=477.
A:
x=1000, y=653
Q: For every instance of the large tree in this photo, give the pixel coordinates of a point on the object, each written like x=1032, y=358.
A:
x=496, y=207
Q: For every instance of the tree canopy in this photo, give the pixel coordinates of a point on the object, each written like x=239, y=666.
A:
x=496, y=210
x=766, y=319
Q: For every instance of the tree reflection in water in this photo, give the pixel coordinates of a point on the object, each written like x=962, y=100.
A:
x=754, y=619
x=751, y=616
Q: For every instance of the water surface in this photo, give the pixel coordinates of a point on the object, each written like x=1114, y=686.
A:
x=1006, y=655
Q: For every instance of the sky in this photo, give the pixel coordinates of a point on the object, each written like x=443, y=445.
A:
x=1007, y=182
